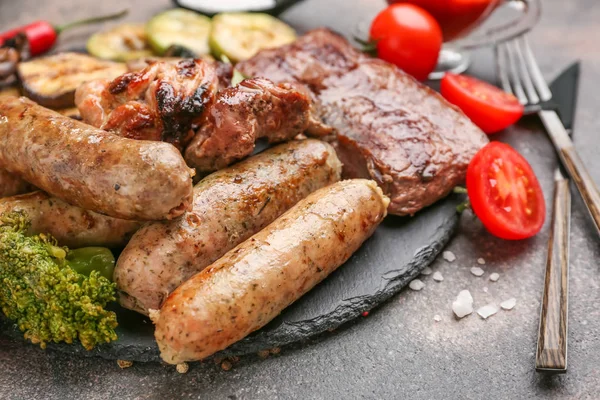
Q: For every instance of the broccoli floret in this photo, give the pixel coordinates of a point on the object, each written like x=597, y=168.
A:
x=48, y=300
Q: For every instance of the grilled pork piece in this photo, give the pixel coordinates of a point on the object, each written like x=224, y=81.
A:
x=390, y=128
x=240, y=115
x=161, y=102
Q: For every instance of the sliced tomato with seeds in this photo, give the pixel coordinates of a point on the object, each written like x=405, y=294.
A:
x=490, y=108
x=505, y=193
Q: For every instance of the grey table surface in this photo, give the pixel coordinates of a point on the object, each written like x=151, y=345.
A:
x=398, y=351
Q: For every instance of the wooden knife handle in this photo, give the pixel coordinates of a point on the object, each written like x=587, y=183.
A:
x=552, y=337
x=573, y=164
x=584, y=182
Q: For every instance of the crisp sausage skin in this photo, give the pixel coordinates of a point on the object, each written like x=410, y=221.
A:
x=229, y=206
x=72, y=226
x=11, y=184
x=91, y=168
x=255, y=281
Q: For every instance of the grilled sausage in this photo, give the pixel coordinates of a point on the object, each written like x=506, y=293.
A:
x=11, y=184
x=90, y=168
x=70, y=225
x=229, y=206
x=252, y=283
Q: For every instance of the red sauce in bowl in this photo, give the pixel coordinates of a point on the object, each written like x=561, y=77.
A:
x=456, y=17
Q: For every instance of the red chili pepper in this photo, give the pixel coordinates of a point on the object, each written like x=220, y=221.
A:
x=365, y=313
x=42, y=35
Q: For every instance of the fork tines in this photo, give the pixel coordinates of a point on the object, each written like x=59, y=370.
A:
x=520, y=74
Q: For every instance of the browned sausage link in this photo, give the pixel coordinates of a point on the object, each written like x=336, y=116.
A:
x=90, y=168
x=229, y=206
x=70, y=225
x=242, y=114
x=11, y=184
x=251, y=284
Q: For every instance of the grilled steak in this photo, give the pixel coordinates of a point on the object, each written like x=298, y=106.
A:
x=390, y=128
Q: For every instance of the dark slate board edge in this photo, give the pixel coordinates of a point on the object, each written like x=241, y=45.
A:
x=291, y=333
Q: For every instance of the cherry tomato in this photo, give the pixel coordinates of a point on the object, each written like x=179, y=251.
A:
x=488, y=107
x=505, y=193
x=409, y=37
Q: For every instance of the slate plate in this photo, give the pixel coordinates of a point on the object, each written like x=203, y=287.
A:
x=397, y=252
x=400, y=248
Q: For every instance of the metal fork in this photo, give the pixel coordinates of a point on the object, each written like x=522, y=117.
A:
x=520, y=75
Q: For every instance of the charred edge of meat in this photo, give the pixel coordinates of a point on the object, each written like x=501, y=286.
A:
x=177, y=113
x=187, y=67
x=118, y=85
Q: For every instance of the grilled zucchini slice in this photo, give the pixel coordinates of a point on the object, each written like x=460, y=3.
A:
x=240, y=36
x=51, y=81
x=122, y=43
x=179, y=27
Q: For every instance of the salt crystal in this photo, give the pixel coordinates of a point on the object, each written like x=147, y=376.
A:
x=448, y=256
x=437, y=276
x=437, y=318
x=463, y=305
x=487, y=311
x=416, y=285
x=477, y=271
x=481, y=261
x=494, y=277
x=485, y=289
x=426, y=271
x=509, y=304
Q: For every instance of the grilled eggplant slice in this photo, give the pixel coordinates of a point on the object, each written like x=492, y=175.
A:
x=51, y=81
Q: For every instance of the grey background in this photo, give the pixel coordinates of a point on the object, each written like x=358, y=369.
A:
x=398, y=351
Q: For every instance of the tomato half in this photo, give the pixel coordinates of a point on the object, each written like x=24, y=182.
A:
x=505, y=193
x=408, y=37
x=490, y=108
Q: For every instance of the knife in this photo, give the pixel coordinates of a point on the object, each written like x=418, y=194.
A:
x=551, y=353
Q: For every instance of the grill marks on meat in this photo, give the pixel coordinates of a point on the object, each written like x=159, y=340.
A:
x=161, y=102
x=240, y=115
x=390, y=128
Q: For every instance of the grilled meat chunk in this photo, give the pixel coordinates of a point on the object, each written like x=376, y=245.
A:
x=161, y=102
x=240, y=115
x=390, y=128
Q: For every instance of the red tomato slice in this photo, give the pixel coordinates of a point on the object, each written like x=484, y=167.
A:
x=408, y=37
x=505, y=193
x=488, y=107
